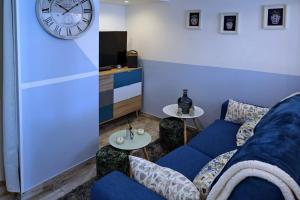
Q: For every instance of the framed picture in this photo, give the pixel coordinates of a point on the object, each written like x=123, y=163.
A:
x=229, y=23
x=275, y=17
x=193, y=19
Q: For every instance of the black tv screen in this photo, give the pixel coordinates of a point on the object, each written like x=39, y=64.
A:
x=113, y=48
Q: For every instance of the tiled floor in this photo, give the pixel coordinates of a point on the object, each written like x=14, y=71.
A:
x=68, y=181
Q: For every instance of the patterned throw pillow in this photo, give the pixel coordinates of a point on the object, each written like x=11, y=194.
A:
x=246, y=131
x=168, y=183
x=240, y=112
x=209, y=172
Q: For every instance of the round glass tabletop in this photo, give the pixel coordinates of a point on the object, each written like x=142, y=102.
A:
x=138, y=142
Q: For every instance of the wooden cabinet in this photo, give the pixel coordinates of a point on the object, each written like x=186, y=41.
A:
x=120, y=93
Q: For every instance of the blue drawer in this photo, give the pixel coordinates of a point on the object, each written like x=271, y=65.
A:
x=127, y=78
x=106, y=113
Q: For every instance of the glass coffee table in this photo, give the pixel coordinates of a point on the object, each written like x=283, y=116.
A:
x=138, y=142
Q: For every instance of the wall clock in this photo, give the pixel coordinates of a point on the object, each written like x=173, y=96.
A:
x=65, y=19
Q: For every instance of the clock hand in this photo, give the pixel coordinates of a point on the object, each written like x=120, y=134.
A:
x=62, y=7
x=68, y=10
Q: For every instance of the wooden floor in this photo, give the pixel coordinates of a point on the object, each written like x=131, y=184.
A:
x=63, y=184
x=4, y=195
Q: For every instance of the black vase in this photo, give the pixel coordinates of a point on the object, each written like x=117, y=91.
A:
x=185, y=103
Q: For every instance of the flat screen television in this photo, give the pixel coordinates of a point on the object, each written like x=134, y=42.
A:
x=113, y=48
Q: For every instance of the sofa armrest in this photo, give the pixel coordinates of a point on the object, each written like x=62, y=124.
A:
x=224, y=110
x=117, y=186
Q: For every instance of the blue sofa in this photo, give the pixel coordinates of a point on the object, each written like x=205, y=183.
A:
x=218, y=138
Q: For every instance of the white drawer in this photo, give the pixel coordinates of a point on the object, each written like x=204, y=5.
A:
x=127, y=92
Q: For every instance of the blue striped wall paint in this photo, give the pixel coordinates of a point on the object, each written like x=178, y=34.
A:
x=45, y=57
x=127, y=78
x=209, y=87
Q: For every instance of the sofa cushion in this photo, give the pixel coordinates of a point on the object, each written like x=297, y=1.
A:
x=218, y=138
x=117, y=186
x=210, y=171
x=246, y=131
x=239, y=113
x=185, y=160
x=162, y=180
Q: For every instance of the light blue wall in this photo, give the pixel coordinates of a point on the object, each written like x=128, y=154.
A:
x=1, y=91
x=58, y=98
x=44, y=57
x=59, y=128
x=209, y=87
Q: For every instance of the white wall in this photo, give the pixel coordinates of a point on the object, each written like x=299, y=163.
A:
x=112, y=17
x=158, y=32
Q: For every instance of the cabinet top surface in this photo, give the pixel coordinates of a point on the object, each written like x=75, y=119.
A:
x=115, y=71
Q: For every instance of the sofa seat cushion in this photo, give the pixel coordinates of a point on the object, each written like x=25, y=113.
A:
x=218, y=138
x=117, y=186
x=185, y=160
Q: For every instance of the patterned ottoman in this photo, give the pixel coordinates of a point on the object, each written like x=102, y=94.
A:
x=171, y=133
x=110, y=159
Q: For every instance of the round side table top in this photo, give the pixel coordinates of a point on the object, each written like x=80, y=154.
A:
x=138, y=142
x=171, y=110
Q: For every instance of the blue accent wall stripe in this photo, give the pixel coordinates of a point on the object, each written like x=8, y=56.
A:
x=209, y=87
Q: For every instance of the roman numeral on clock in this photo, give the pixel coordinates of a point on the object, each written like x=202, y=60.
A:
x=46, y=10
x=49, y=21
x=87, y=10
x=69, y=32
x=83, y=1
x=79, y=29
x=86, y=20
x=57, y=29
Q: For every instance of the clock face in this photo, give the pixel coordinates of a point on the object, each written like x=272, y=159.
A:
x=65, y=19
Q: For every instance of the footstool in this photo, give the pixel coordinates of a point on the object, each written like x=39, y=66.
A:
x=109, y=159
x=171, y=133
